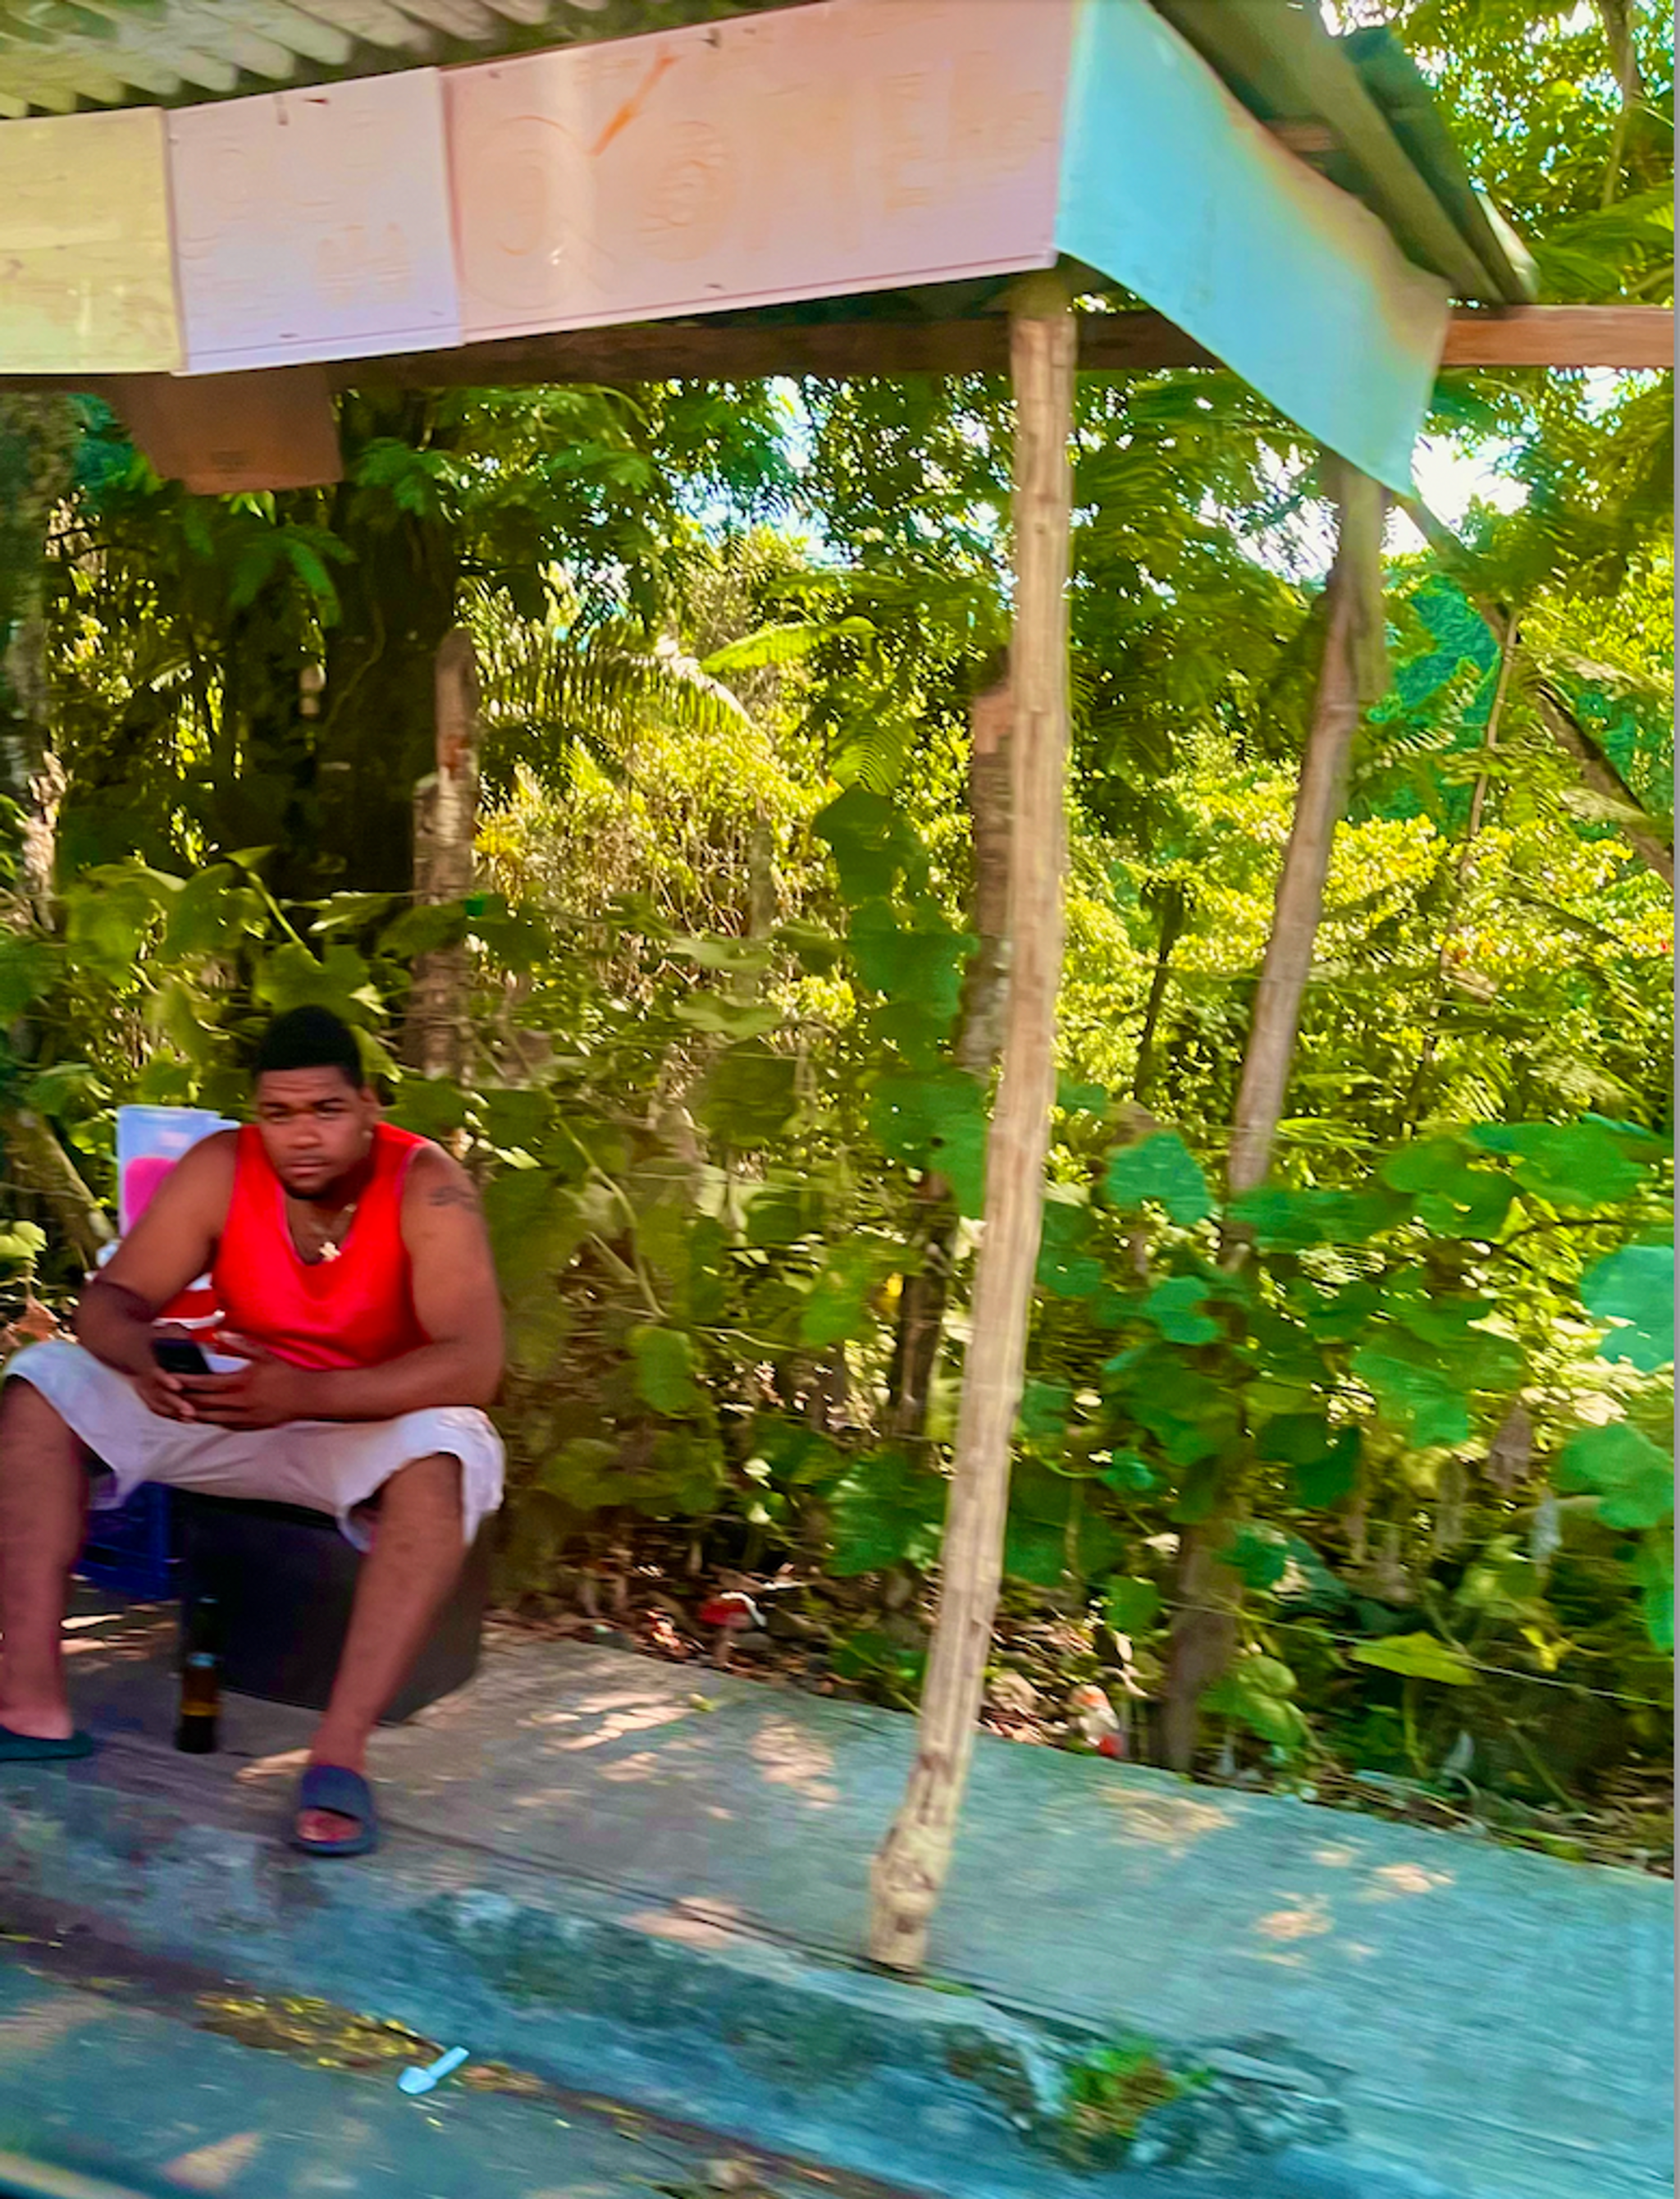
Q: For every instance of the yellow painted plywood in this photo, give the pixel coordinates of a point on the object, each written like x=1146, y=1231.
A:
x=86, y=283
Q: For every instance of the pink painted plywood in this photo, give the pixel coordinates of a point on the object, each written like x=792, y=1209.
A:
x=314, y=225
x=844, y=146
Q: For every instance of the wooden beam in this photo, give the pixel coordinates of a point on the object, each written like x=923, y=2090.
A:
x=1123, y=342
x=1563, y=336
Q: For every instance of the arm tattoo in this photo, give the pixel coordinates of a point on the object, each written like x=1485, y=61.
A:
x=452, y=1194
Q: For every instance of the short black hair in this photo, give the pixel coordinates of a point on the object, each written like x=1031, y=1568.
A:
x=310, y=1038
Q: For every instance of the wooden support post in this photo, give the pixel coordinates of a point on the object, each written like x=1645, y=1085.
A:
x=437, y=1037
x=910, y=1870
x=1352, y=645
x=1204, y=1629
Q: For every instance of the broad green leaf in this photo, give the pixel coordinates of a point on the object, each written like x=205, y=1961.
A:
x=884, y=1512
x=836, y=1309
x=665, y=1366
x=1343, y=1315
x=918, y=968
x=21, y=1244
x=1259, y=1554
x=796, y=1455
x=1045, y=1406
x=65, y=1085
x=432, y=1105
x=1411, y=1390
x=27, y=967
x=213, y=912
x=1034, y=1550
x=1417, y=1657
x=515, y=1120
x=1175, y=1308
x=1574, y=1165
x=1160, y=1168
x=718, y=1015
x=1127, y=1474
x=1292, y=1220
x=1065, y=1269
x=292, y=977
x=873, y=843
x=425, y=928
x=1634, y=1290
x=937, y=1121
x=1653, y=1567
x=1321, y=1484
x=782, y=1210
x=1631, y=1477
x=1131, y=1606
x=1081, y=1099
x=1452, y=1198
x=1257, y=1692
x=748, y=1096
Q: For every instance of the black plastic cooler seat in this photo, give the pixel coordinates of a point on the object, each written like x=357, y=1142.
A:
x=284, y=1578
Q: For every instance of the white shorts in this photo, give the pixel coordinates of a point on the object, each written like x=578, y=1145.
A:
x=324, y=1466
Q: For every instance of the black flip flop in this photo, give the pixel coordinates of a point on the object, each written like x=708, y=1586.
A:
x=346, y=1794
x=29, y=1748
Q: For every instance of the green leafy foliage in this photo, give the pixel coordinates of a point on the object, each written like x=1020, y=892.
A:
x=1161, y=1168
x=1633, y=1289
x=1418, y=1657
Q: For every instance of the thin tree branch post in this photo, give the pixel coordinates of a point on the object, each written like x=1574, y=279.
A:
x=975, y=1047
x=911, y=1868
x=438, y=1038
x=1354, y=668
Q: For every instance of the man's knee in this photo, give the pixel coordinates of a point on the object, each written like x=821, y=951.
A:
x=25, y=1415
x=426, y=1488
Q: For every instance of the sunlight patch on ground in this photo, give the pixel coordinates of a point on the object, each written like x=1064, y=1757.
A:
x=1167, y=1821
x=1305, y=1920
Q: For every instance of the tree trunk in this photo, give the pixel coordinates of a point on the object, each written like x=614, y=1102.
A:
x=396, y=599
x=1175, y=914
x=911, y=1868
x=979, y=1038
x=1203, y=1628
x=437, y=1040
x=1642, y=832
x=37, y=1164
x=37, y=444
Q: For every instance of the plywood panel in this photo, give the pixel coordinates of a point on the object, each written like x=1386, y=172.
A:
x=85, y=280
x=845, y=146
x=219, y=434
x=314, y=225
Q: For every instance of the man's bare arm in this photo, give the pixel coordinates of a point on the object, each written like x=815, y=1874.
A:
x=172, y=1244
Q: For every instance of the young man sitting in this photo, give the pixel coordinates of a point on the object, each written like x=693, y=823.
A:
x=355, y=1283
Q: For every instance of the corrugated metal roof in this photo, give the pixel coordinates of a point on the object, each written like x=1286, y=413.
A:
x=59, y=56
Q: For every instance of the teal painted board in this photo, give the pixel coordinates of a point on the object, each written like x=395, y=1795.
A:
x=1171, y=187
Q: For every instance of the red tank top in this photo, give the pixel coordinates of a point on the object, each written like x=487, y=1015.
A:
x=355, y=1311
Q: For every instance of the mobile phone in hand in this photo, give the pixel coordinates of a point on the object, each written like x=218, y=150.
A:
x=179, y=1355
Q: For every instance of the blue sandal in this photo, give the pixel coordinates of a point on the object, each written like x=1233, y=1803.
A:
x=347, y=1795
x=27, y=1749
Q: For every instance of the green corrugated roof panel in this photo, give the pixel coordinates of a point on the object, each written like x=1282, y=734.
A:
x=57, y=56
x=1380, y=134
